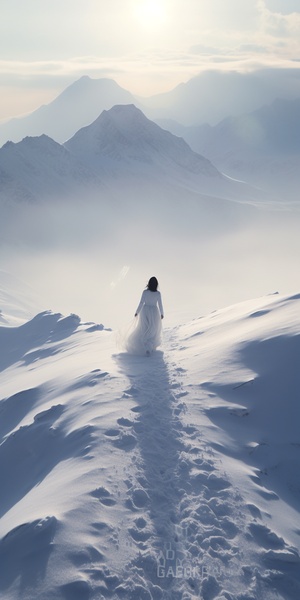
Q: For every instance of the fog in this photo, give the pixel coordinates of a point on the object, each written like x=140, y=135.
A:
x=93, y=258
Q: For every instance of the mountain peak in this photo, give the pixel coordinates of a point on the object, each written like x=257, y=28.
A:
x=124, y=135
x=86, y=84
x=125, y=116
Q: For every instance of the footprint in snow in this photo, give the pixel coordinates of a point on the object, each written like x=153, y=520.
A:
x=140, y=522
x=85, y=556
x=138, y=535
x=139, y=499
x=76, y=589
x=122, y=439
x=211, y=481
x=104, y=496
x=125, y=441
x=125, y=422
x=112, y=432
x=190, y=430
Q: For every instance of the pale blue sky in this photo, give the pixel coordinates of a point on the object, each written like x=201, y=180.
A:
x=147, y=46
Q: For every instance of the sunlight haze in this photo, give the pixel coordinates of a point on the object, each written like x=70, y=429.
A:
x=147, y=46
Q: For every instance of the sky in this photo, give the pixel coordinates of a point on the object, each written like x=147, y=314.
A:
x=147, y=46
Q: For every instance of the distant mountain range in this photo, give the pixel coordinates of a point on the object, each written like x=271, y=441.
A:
x=261, y=147
x=78, y=105
x=120, y=148
x=214, y=95
x=208, y=98
x=258, y=143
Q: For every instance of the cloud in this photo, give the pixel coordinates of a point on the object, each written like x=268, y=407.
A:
x=279, y=24
x=284, y=7
x=253, y=49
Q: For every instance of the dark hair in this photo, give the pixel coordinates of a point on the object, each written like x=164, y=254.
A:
x=152, y=284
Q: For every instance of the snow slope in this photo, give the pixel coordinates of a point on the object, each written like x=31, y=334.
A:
x=171, y=477
x=38, y=167
x=124, y=134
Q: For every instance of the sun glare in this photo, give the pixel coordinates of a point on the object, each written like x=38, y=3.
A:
x=150, y=13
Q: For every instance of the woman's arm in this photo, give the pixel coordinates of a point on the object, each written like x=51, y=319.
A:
x=160, y=306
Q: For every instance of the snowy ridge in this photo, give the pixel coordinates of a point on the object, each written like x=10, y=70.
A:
x=174, y=477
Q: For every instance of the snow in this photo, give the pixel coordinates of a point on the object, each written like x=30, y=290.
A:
x=171, y=477
x=121, y=151
x=124, y=134
x=126, y=147
x=38, y=167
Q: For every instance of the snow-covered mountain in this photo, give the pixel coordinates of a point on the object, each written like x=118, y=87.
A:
x=261, y=147
x=130, y=147
x=208, y=98
x=169, y=477
x=38, y=168
x=123, y=140
x=78, y=105
x=122, y=147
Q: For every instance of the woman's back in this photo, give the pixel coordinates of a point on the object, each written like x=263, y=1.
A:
x=151, y=298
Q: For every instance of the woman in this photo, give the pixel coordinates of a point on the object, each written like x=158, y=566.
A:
x=146, y=335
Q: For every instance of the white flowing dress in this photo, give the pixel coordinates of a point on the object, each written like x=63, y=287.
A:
x=146, y=333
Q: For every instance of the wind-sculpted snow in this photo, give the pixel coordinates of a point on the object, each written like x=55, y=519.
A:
x=171, y=477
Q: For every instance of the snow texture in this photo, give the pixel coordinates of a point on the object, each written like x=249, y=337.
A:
x=172, y=477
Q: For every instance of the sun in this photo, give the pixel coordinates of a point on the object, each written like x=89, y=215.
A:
x=150, y=13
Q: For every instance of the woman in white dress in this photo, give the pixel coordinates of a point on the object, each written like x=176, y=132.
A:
x=146, y=335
